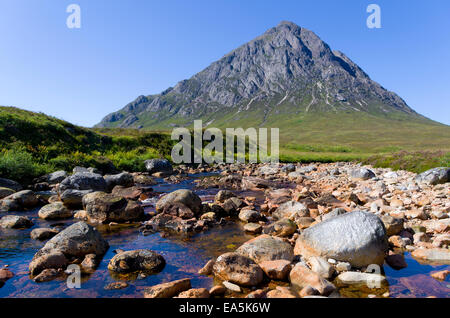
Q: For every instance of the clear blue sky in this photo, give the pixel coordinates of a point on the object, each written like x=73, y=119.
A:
x=139, y=47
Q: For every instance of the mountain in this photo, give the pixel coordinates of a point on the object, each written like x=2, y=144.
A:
x=287, y=78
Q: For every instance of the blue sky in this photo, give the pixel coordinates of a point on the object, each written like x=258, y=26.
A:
x=140, y=47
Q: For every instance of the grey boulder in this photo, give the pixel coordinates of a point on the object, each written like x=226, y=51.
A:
x=158, y=165
x=434, y=176
x=357, y=237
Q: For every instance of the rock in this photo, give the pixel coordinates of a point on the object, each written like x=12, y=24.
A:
x=130, y=193
x=83, y=181
x=249, y=216
x=5, y=274
x=333, y=213
x=158, y=165
x=433, y=256
x=232, y=206
x=362, y=174
x=308, y=291
x=116, y=286
x=252, y=183
x=123, y=179
x=281, y=292
x=268, y=170
x=281, y=228
x=441, y=240
x=47, y=275
x=218, y=290
x=343, y=266
x=102, y=207
x=232, y=287
x=138, y=260
x=396, y=261
x=55, y=211
x=266, y=248
x=300, y=277
x=182, y=196
x=73, y=198
x=207, y=269
x=15, y=222
x=238, y=269
x=5, y=192
x=10, y=184
x=253, y=228
x=440, y=275
x=76, y=241
x=392, y=225
x=397, y=241
x=43, y=234
x=321, y=266
x=195, y=293
x=434, y=176
x=56, y=177
x=350, y=278
x=168, y=290
x=357, y=237
x=223, y=195
x=291, y=210
x=277, y=270
x=257, y=294
x=143, y=179
x=24, y=199
x=51, y=260
x=90, y=262
x=304, y=222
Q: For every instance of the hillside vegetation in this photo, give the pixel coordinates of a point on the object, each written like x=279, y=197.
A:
x=33, y=144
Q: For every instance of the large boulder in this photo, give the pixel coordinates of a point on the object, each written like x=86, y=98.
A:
x=266, y=248
x=182, y=196
x=7, y=183
x=74, y=242
x=358, y=238
x=158, y=165
x=434, y=176
x=25, y=199
x=52, y=178
x=138, y=260
x=15, y=222
x=83, y=181
x=123, y=179
x=290, y=210
x=238, y=269
x=55, y=211
x=103, y=207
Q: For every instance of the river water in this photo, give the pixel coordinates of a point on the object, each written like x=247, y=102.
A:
x=184, y=257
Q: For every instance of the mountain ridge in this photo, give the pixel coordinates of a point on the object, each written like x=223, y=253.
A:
x=287, y=70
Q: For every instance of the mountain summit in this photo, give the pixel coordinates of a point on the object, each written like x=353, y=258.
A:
x=288, y=72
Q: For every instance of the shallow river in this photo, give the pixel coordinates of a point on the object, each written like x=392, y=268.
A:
x=184, y=257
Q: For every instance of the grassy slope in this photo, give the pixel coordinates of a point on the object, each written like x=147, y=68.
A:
x=33, y=144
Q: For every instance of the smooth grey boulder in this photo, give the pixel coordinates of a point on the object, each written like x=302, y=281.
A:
x=83, y=181
x=76, y=241
x=7, y=183
x=158, y=165
x=357, y=237
x=266, y=248
x=434, y=176
x=123, y=179
x=362, y=174
x=56, y=177
x=182, y=196
x=21, y=200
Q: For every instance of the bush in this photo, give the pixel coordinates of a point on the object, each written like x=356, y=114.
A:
x=19, y=165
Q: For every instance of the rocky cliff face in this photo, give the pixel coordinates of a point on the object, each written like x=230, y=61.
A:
x=287, y=70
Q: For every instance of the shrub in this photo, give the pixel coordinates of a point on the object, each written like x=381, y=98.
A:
x=19, y=165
